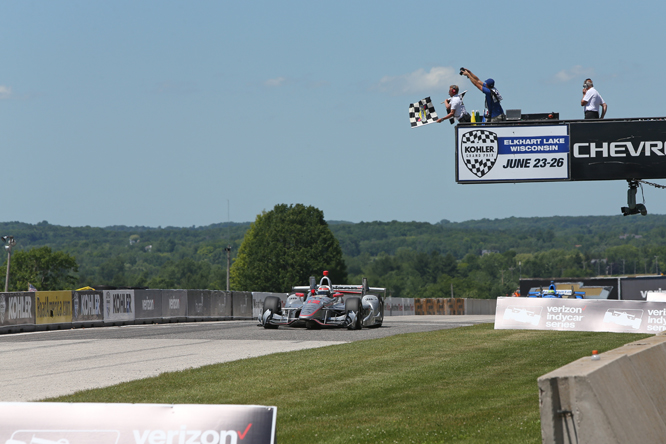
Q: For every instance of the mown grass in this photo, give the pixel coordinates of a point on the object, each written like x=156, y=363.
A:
x=466, y=385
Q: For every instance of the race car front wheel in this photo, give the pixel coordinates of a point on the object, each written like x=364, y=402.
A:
x=274, y=305
x=353, y=308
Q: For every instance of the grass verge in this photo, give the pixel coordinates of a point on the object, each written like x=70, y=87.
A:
x=466, y=385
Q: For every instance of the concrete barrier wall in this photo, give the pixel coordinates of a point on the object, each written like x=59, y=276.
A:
x=398, y=306
x=48, y=310
x=439, y=306
x=620, y=398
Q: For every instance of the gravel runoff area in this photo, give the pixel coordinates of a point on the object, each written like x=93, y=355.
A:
x=53, y=363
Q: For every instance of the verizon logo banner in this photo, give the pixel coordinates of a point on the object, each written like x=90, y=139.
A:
x=580, y=315
x=84, y=423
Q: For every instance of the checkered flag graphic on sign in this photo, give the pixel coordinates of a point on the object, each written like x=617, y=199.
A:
x=422, y=113
x=479, y=166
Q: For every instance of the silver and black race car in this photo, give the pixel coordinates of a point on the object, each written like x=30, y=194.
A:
x=326, y=305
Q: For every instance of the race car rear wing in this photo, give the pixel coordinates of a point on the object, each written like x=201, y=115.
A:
x=347, y=289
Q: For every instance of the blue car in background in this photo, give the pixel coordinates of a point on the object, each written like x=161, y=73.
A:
x=553, y=292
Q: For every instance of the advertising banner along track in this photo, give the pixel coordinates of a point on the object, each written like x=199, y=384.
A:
x=86, y=423
x=17, y=308
x=580, y=315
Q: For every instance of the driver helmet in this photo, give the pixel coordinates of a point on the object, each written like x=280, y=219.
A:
x=324, y=290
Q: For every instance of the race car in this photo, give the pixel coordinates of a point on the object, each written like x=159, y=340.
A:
x=553, y=292
x=326, y=305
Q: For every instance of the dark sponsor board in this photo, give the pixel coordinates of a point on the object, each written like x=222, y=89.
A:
x=220, y=303
x=636, y=288
x=148, y=304
x=87, y=306
x=198, y=303
x=88, y=423
x=612, y=150
x=580, y=315
x=258, y=298
x=242, y=304
x=594, y=288
x=174, y=304
x=17, y=308
x=208, y=303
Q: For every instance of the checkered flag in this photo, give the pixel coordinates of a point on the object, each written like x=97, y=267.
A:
x=422, y=113
x=479, y=164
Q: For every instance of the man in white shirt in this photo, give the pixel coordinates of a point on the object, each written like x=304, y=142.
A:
x=455, y=107
x=592, y=100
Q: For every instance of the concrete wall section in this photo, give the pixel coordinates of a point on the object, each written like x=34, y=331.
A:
x=620, y=398
x=242, y=304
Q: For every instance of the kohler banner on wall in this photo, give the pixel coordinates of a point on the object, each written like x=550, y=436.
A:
x=512, y=153
x=88, y=423
x=580, y=315
x=17, y=308
x=119, y=305
x=87, y=306
x=594, y=288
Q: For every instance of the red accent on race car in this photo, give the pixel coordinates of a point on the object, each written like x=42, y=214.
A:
x=300, y=295
x=312, y=291
x=325, y=273
x=313, y=301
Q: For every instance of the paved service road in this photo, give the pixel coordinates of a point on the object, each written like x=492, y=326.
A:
x=45, y=364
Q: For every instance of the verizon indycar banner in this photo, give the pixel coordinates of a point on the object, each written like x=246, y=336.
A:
x=512, y=153
x=85, y=423
x=580, y=315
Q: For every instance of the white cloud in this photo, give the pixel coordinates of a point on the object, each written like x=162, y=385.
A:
x=5, y=92
x=439, y=78
x=576, y=72
x=273, y=83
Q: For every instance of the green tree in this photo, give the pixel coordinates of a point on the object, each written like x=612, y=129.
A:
x=43, y=268
x=283, y=247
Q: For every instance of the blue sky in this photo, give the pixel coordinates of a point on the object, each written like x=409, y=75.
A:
x=158, y=113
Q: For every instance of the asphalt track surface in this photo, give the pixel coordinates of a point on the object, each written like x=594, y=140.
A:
x=45, y=364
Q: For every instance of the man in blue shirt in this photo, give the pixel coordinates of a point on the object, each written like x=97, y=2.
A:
x=494, y=110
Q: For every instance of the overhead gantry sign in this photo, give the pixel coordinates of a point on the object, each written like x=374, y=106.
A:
x=551, y=150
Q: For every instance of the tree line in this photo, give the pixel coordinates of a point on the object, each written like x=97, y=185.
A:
x=482, y=258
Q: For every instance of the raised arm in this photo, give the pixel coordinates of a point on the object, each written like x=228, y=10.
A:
x=473, y=78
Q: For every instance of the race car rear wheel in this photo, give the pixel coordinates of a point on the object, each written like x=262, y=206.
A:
x=274, y=305
x=353, y=305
